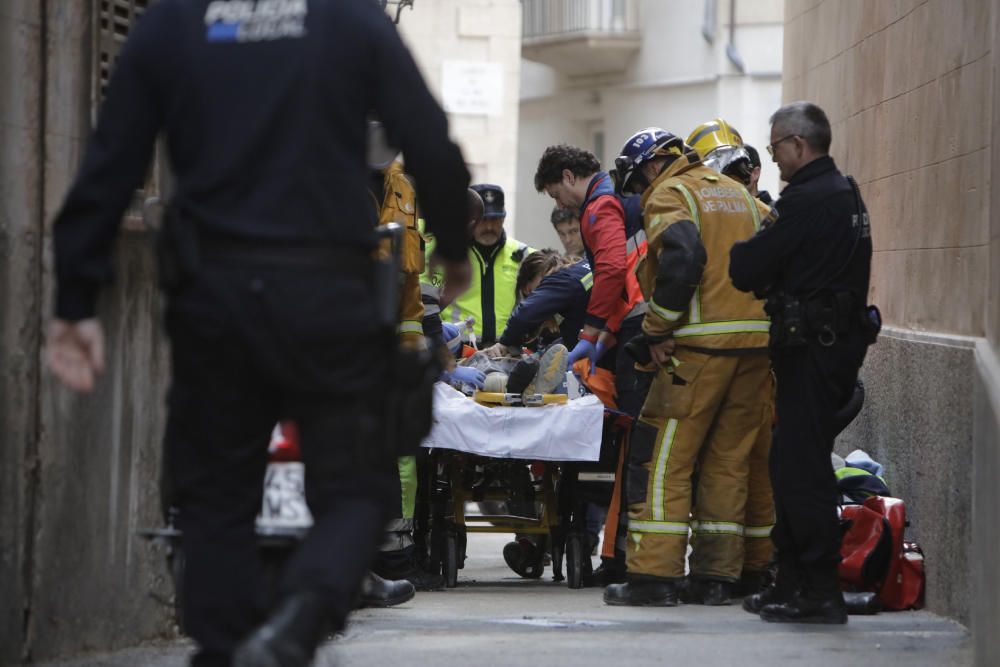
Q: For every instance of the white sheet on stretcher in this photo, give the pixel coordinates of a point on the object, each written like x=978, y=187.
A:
x=569, y=432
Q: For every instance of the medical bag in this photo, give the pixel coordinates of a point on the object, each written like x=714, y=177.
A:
x=875, y=557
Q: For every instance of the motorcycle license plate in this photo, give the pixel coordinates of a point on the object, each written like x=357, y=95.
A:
x=284, y=497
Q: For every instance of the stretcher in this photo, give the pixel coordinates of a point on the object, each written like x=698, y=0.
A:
x=508, y=452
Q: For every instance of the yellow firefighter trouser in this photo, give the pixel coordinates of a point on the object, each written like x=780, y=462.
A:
x=705, y=407
x=758, y=548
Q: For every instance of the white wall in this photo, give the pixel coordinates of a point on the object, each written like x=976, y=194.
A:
x=676, y=81
x=479, y=31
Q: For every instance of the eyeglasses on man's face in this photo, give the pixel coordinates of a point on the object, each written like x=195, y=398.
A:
x=774, y=144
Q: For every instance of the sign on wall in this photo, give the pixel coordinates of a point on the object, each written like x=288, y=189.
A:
x=473, y=88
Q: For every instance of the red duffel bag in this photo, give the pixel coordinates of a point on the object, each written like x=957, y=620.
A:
x=874, y=556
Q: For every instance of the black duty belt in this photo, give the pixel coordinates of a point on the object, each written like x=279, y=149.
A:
x=343, y=259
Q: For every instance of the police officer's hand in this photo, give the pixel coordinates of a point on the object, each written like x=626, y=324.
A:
x=74, y=352
x=457, y=277
x=662, y=352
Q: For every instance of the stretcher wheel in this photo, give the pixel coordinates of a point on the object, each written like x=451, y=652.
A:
x=451, y=561
x=574, y=561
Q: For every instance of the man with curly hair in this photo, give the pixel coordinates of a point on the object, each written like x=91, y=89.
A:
x=573, y=178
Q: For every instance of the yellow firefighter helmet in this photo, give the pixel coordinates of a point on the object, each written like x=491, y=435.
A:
x=720, y=147
x=713, y=134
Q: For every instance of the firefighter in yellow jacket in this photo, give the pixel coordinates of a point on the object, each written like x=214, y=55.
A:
x=395, y=200
x=705, y=348
x=720, y=146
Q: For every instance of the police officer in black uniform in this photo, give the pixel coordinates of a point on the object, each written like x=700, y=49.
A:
x=268, y=266
x=813, y=266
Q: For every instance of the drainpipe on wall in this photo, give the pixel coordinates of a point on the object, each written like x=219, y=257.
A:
x=731, y=52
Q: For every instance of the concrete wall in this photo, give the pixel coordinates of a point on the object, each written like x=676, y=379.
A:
x=985, y=576
x=677, y=80
x=78, y=475
x=20, y=276
x=910, y=87
x=921, y=430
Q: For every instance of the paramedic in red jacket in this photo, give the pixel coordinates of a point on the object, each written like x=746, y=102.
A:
x=612, y=243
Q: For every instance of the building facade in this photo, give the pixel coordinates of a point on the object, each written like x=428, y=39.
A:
x=595, y=71
x=469, y=52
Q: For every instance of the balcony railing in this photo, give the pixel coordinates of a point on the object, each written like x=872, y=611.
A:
x=553, y=18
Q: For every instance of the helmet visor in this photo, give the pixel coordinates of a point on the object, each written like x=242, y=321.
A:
x=721, y=158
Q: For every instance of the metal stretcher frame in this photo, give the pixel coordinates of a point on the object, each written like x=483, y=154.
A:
x=449, y=466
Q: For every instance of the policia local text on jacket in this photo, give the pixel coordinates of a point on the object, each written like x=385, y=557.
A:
x=818, y=254
x=264, y=108
x=709, y=405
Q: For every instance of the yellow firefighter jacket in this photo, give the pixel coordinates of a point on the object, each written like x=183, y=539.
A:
x=693, y=215
x=399, y=205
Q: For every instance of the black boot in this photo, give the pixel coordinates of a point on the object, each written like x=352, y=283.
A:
x=711, y=592
x=752, y=581
x=521, y=375
x=379, y=592
x=525, y=558
x=862, y=604
x=610, y=571
x=642, y=593
x=403, y=564
x=787, y=581
x=290, y=636
x=819, y=601
x=830, y=610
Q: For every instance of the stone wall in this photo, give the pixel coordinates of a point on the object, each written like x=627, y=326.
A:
x=909, y=86
x=920, y=429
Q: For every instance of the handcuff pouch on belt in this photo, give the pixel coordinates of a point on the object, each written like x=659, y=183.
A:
x=823, y=318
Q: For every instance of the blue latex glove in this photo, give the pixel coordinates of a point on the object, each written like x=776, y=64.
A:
x=468, y=375
x=584, y=348
x=452, y=337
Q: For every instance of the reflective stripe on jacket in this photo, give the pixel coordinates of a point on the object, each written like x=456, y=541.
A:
x=494, y=280
x=693, y=216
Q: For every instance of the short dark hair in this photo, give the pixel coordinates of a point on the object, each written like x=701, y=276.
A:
x=754, y=155
x=557, y=158
x=806, y=120
x=561, y=216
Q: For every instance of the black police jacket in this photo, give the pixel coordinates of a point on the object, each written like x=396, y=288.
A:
x=265, y=108
x=812, y=247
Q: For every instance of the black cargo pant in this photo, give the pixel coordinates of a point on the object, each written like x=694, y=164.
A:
x=813, y=384
x=251, y=346
x=630, y=398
